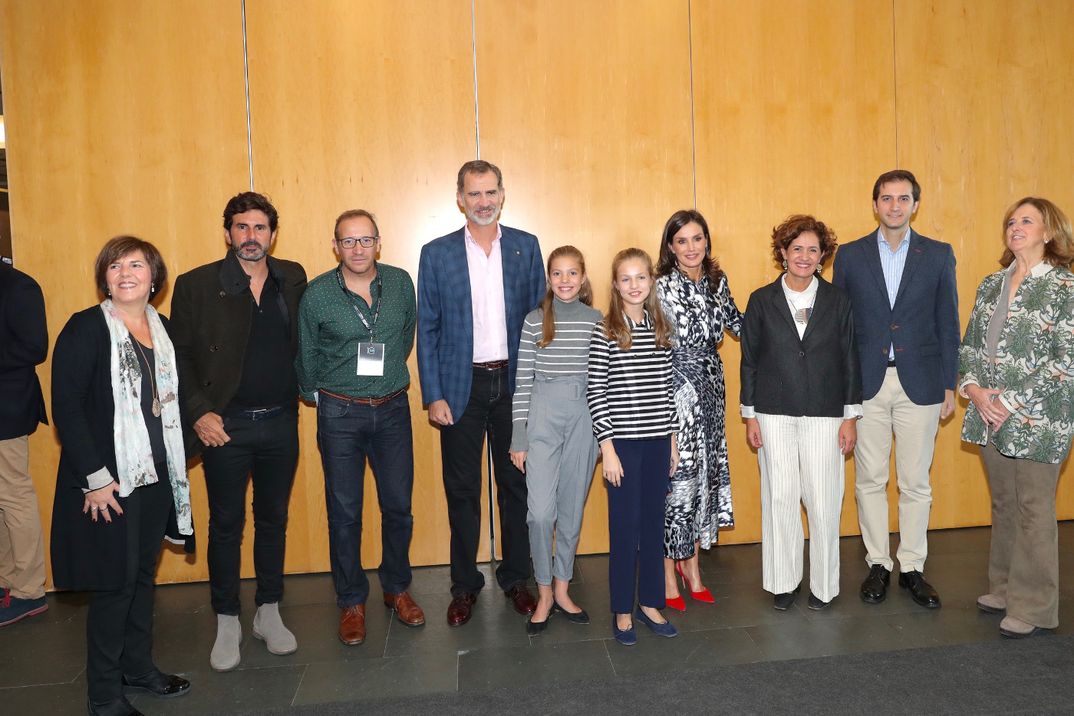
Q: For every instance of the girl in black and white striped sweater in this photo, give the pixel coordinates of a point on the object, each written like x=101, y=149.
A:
x=632, y=406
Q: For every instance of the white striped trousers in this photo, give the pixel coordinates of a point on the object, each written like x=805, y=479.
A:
x=800, y=464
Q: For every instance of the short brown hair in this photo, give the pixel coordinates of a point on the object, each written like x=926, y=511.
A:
x=796, y=225
x=478, y=166
x=249, y=201
x=898, y=175
x=1059, y=245
x=121, y=246
x=355, y=214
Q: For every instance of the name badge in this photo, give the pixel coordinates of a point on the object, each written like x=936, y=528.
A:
x=370, y=359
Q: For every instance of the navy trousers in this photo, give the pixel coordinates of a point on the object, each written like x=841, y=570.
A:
x=636, y=524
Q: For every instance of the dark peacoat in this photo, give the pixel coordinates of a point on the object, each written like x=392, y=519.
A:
x=23, y=345
x=210, y=326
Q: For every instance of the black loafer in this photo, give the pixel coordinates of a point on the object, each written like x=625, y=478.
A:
x=875, y=587
x=578, y=617
x=783, y=602
x=165, y=686
x=921, y=591
x=816, y=603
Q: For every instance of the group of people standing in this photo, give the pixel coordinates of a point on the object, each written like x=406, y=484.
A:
x=512, y=355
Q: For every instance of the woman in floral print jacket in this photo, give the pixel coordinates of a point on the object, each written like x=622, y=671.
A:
x=1017, y=366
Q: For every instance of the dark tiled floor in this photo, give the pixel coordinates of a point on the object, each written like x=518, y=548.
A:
x=42, y=659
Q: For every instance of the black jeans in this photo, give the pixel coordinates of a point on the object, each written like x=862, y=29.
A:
x=119, y=626
x=347, y=434
x=267, y=451
x=488, y=413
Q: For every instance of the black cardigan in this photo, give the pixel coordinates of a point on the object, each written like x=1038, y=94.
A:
x=86, y=555
x=815, y=375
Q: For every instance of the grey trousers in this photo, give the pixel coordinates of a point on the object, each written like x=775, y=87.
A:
x=1023, y=562
x=559, y=470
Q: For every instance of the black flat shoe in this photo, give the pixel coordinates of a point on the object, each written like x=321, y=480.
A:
x=783, y=602
x=816, y=603
x=534, y=628
x=165, y=686
x=578, y=617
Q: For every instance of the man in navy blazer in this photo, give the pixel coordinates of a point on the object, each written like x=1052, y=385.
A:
x=902, y=289
x=475, y=287
x=23, y=346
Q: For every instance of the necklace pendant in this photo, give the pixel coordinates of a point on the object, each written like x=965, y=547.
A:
x=156, y=408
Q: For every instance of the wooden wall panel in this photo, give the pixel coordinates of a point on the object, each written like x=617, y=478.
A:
x=122, y=117
x=130, y=117
x=981, y=90
x=357, y=105
x=589, y=119
x=794, y=114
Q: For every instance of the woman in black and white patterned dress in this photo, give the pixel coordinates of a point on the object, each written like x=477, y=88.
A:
x=694, y=294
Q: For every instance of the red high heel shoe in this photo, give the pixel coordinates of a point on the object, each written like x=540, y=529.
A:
x=676, y=603
x=704, y=595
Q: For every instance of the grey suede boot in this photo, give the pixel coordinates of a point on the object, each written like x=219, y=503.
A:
x=269, y=628
x=225, y=654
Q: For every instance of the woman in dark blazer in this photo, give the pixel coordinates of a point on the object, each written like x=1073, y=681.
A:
x=801, y=397
x=122, y=481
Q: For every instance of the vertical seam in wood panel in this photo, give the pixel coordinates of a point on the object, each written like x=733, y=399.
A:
x=477, y=142
x=895, y=82
x=473, y=46
x=693, y=108
x=246, y=80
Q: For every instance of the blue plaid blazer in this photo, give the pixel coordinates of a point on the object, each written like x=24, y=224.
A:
x=445, y=317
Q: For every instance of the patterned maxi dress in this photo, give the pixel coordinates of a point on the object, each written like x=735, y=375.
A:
x=699, y=496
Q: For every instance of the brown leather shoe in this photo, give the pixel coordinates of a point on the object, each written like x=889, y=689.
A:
x=461, y=609
x=405, y=608
x=352, y=625
x=521, y=599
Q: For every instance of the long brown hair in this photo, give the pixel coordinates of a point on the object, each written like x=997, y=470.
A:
x=585, y=292
x=667, y=262
x=615, y=328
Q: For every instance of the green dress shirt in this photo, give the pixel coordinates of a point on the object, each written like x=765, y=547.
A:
x=329, y=330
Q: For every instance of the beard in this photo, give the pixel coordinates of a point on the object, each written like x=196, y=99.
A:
x=250, y=251
x=481, y=221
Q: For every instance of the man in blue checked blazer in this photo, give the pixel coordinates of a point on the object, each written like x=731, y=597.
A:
x=905, y=302
x=475, y=287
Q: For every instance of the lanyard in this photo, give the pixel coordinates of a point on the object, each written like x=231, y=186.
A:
x=354, y=303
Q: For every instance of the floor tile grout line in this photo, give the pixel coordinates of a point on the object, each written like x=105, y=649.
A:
x=611, y=662
x=387, y=636
x=298, y=688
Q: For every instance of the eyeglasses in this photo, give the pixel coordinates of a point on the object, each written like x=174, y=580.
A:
x=351, y=241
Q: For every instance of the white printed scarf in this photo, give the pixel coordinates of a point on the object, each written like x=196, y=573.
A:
x=134, y=455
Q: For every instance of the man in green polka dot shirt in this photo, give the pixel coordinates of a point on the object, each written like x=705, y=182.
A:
x=356, y=329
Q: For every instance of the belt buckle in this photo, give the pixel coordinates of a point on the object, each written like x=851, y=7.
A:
x=259, y=413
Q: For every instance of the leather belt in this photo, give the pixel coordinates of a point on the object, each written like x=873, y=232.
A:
x=255, y=413
x=375, y=402
x=491, y=365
